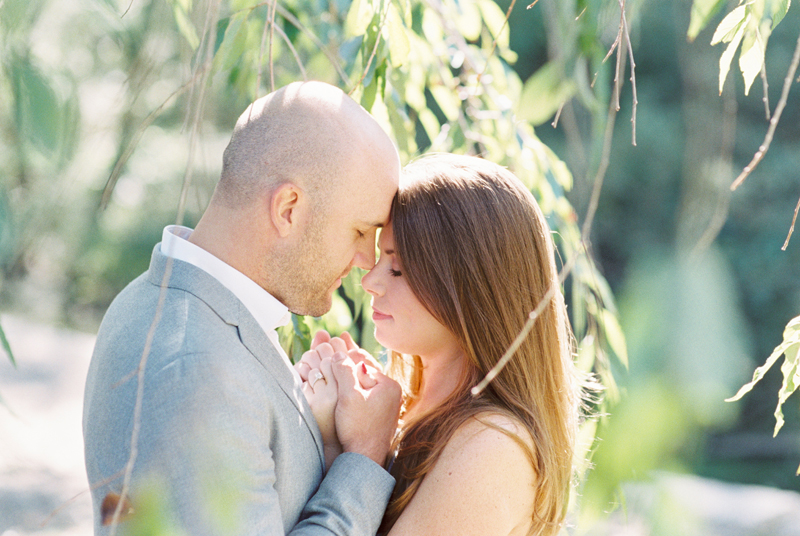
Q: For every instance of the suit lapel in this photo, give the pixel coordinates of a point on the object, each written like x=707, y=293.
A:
x=230, y=309
x=257, y=342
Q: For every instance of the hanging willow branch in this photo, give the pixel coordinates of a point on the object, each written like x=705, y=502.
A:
x=773, y=123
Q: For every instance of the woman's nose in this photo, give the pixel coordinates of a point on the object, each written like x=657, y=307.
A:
x=371, y=282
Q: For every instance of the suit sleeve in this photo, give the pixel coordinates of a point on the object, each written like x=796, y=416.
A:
x=354, y=484
x=213, y=434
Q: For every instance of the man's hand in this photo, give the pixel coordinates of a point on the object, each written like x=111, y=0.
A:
x=323, y=345
x=367, y=409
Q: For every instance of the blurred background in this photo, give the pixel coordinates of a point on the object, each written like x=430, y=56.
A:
x=701, y=288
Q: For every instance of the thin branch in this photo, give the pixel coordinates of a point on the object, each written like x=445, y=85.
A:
x=773, y=123
x=270, y=21
x=80, y=493
x=114, y=177
x=271, y=34
x=378, y=33
x=314, y=39
x=494, y=41
x=294, y=51
x=130, y=5
x=567, y=268
x=261, y=53
x=137, y=409
x=791, y=229
x=202, y=72
x=634, y=94
x=727, y=143
x=765, y=84
x=554, y=124
x=605, y=158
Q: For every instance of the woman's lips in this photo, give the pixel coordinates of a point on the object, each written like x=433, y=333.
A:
x=378, y=315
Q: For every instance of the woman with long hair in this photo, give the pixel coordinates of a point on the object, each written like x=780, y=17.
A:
x=467, y=257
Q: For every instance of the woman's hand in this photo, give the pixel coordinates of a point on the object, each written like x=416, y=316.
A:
x=321, y=391
x=323, y=345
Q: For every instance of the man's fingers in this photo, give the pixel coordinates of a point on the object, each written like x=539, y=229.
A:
x=343, y=371
x=348, y=340
x=365, y=377
x=320, y=337
x=338, y=344
x=362, y=356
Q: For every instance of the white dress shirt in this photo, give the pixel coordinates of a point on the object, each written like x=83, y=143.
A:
x=265, y=308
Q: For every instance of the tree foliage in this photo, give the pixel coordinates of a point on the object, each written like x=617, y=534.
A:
x=747, y=28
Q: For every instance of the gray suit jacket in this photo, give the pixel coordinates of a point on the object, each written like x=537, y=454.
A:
x=227, y=443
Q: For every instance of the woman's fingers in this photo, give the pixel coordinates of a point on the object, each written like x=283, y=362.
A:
x=326, y=368
x=316, y=380
x=302, y=368
x=308, y=361
x=324, y=350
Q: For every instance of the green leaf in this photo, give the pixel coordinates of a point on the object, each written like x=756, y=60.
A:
x=404, y=6
x=18, y=16
x=447, y=100
x=301, y=339
x=36, y=106
x=233, y=43
x=430, y=123
x=727, y=57
x=730, y=25
x=468, y=21
x=702, y=13
x=399, y=45
x=544, y=92
x=789, y=386
x=779, y=9
x=614, y=336
x=791, y=344
x=751, y=59
x=185, y=25
x=358, y=18
x=7, y=347
x=495, y=20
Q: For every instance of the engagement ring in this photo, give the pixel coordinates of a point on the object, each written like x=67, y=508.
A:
x=316, y=377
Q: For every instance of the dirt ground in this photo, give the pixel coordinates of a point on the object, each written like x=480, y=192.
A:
x=43, y=487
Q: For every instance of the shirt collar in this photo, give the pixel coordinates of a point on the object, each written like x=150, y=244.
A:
x=265, y=308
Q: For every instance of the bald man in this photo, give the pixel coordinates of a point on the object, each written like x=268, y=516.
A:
x=224, y=440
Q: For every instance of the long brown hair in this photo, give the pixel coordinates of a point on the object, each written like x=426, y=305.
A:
x=477, y=252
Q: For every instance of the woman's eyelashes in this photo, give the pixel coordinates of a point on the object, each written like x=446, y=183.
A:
x=395, y=273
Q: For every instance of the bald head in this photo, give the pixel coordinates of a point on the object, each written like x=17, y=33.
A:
x=306, y=133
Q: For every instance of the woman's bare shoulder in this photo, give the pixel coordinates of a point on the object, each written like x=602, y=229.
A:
x=482, y=483
x=492, y=430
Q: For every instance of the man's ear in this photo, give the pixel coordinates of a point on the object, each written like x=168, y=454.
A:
x=285, y=207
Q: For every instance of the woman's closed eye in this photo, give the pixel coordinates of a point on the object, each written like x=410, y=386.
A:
x=395, y=273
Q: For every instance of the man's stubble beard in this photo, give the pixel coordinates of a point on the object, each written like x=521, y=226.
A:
x=305, y=285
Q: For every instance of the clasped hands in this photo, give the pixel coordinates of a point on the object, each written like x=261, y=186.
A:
x=356, y=406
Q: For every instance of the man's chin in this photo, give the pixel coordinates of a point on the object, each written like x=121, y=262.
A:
x=316, y=308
